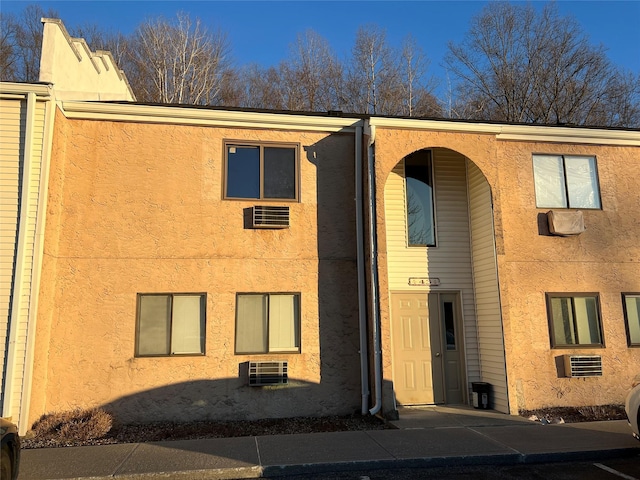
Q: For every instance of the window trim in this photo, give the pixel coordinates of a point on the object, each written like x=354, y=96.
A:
x=280, y=352
x=433, y=201
x=626, y=318
x=564, y=178
x=203, y=298
x=572, y=295
x=261, y=145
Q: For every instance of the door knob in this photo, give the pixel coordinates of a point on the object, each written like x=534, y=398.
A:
x=438, y=354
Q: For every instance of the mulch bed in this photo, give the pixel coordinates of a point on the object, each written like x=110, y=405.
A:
x=577, y=414
x=154, y=432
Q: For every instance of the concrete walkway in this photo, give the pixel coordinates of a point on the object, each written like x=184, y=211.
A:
x=432, y=436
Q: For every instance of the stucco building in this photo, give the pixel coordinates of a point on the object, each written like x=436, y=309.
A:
x=351, y=263
x=68, y=69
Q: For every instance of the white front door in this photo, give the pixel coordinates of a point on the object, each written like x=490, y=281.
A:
x=428, y=355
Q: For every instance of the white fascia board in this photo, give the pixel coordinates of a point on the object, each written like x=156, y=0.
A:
x=204, y=117
x=21, y=90
x=522, y=133
x=435, y=125
x=595, y=136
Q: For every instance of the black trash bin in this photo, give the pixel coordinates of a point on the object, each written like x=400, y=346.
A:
x=481, y=394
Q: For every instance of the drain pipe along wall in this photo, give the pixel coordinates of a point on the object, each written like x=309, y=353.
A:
x=362, y=302
x=373, y=265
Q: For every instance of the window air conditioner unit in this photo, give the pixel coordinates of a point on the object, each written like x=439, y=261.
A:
x=582, y=366
x=565, y=223
x=270, y=217
x=268, y=373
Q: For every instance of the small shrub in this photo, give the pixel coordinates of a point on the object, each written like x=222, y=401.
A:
x=75, y=426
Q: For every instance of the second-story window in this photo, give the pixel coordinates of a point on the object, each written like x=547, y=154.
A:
x=419, y=199
x=264, y=172
x=564, y=181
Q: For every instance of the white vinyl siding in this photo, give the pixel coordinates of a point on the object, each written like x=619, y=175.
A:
x=487, y=296
x=450, y=260
x=14, y=206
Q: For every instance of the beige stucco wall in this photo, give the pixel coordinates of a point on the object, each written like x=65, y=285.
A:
x=137, y=208
x=605, y=259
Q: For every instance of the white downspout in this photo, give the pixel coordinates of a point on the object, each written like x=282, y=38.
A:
x=373, y=265
x=362, y=302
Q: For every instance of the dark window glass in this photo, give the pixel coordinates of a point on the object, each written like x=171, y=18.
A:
x=574, y=320
x=449, y=325
x=261, y=172
x=279, y=173
x=419, y=191
x=243, y=172
x=632, y=317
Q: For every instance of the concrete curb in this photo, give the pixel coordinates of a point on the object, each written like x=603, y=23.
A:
x=446, y=461
x=207, y=474
x=272, y=471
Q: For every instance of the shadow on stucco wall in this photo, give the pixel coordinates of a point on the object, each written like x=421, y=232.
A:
x=338, y=390
x=202, y=400
x=337, y=271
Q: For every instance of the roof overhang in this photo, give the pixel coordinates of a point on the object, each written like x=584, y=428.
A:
x=186, y=115
x=521, y=133
x=43, y=91
x=205, y=117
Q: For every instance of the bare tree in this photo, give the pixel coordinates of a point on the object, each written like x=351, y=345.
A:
x=427, y=105
x=313, y=73
x=414, y=65
x=261, y=88
x=232, y=92
x=8, y=58
x=22, y=43
x=417, y=89
x=518, y=65
x=373, y=79
x=622, y=101
x=177, y=62
x=309, y=79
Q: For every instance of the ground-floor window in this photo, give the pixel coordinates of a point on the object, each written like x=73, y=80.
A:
x=267, y=323
x=170, y=324
x=574, y=319
x=631, y=303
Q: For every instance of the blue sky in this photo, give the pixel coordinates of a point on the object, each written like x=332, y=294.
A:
x=262, y=31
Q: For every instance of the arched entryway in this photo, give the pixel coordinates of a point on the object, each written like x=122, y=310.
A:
x=445, y=321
